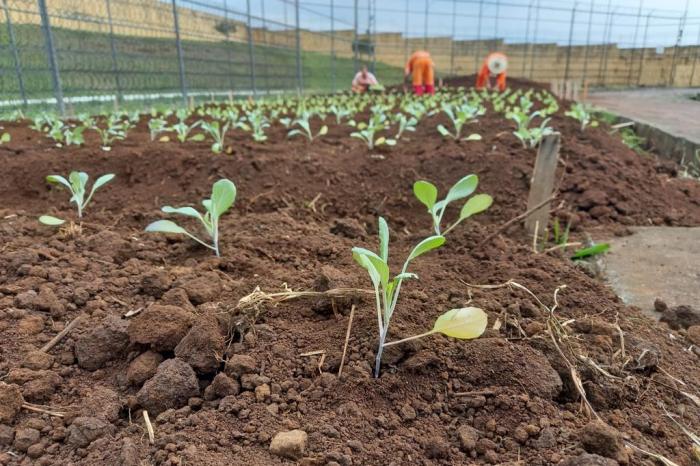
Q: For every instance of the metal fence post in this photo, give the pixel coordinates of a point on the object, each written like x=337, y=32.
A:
x=373, y=31
x=695, y=60
x=425, y=25
x=477, y=51
x=527, y=45
x=251, y=54
x=180, y=56
x=51, y=55
x=607, y=48
x=113, y=50
x=266, y=64
x=634, y=42
x=15, y=54
x=300, y=77
x=604, y=51
x=534, y=39
x=354, y=40
x=681, y=26
x=571, y=38
x=333, y=63
x=452, y=42
x=644, y=49
x=405, y=33
x=229, y=49
x=588, y=42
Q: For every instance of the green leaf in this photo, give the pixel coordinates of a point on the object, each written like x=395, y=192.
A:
x=475, y=204
x=58, y=179
x=443, y=131
x=188, y=211
x=426, y=245
x=101, y=181
x=323, y=131
x=426, y=192
x=51, y=221
x=599, y=248
x=5, y=137
x=462, y=188
x=383, y=239
x=405, y=276
x=197, y=137
x=165, y=226
x=223, y=195
x=380, y=266
x=366, y=264
x=465, y=323
x=390, y=142
x=473, y=137
x=293, y=133
x=380, y=141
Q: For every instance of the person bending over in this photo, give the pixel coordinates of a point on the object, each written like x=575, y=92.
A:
x=363, y=81
x=420, y=65
x=493, y=67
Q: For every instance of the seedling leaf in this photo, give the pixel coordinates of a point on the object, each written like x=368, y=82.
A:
x=425, y=192
x=465, y=323
x=165, y=226
x=591, y=251
x=223, y=195
x=51, y=221
x=188, y=211
x=462, y=188
x=475, y=205
x=383, y=239
x=426, y=245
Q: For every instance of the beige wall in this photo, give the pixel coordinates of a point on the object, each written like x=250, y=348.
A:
x=599, y=65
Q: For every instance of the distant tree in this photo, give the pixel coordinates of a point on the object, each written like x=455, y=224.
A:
x=226, y=27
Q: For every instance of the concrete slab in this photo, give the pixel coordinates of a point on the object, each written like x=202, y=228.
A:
x=656, y=262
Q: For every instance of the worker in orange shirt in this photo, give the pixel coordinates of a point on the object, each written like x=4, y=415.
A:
x=421, y=66
x=494, y=66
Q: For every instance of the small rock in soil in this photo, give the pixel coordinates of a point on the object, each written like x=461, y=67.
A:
x=7, y=435
x=681, y=317
x=468, y=436
x=30, y=325
x=160, y=326
x=25, y=299
x=177, y=297
x=84, y=430
x=436, y=448
x=694, y=334
x=10, y=402
x=143, y=367
x=601, y=439
x=129, y=455
x=101, y=402
x=240, y=364
x=588, y=459
x=107, y=341
x=47, y=301
x=26, y=437
x=202, y=289
x=202, y=346
x=37, y=360
x=290, y=444
x=156, y=283
x=174, y=383
x=349, y=228
x=36, y=385
x=222, y=386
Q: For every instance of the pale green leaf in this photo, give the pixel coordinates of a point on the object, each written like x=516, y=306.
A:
x=188, y=211
x=465, y=323
x=323, y=131
x=426, y=192
x=197, y=137
x=51, y=221
x=475, y=205
x=165, y=226
x=58, y=179
x=223, y=195
x=380, y=265
x=426, y=245
x=462, y=188
x=473, y=137
x=366, y=264
x=101, y=181
x=383, y=239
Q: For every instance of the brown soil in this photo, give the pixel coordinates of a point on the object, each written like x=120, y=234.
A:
x=220, y=399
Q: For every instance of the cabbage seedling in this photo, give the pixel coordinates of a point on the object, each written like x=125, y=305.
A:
x=218, y=133
x=183, y=130
x=580, y=112
x=115, y=130
x=367, y=131
x=456, y=323
x=258, y=123
x=5, y=137
x=223, y=195
x=460, y=115
x=77, y=185
x=427, y=193
x=156, y=126
x=305, y=128
x=405, y=124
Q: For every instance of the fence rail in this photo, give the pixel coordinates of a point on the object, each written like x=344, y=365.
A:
x=71, y=52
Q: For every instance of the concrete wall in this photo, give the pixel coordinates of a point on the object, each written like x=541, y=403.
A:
x=599, y=65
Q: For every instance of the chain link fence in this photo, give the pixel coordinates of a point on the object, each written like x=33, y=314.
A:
x=68, y=53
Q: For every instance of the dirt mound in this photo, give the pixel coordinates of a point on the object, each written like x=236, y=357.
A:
x=161, y=329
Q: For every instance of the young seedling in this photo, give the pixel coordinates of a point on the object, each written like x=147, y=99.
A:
x=458, y=323
x=460, y=115
x=182, y=131
x=115, y=129
x=405, y=124
x=74, y=135
x=5, y=137
x=217, y=133
x=305, y=128
x=258, y=123
x=581, y=113
x=223, y=195
x=529, y=136
x=157, y=126
x=367, y=131
x=77, y=185
x=427, y=193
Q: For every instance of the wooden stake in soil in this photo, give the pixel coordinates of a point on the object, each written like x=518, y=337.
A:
x=542, y=182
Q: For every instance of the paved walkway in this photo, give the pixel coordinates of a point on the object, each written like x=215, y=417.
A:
x=656, y=262
x=667, y=109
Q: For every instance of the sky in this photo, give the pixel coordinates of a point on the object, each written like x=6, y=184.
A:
x=629, y=23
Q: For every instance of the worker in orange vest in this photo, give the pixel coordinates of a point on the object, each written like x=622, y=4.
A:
x=494, y=66
x=421, y=66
